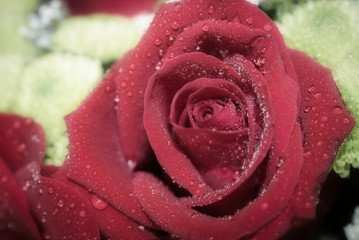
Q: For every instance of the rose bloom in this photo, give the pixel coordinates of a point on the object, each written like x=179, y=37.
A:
x=211, y=128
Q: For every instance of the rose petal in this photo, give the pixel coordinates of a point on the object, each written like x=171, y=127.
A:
x=95, y=157
x=162, y=88
x=167, y=211
x=15, y=219
x=212, y=151
x=61, y=211
x=325, y=122
x=21, y=141
x=112, y=223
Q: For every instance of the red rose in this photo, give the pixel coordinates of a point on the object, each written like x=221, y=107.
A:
x=211, y=128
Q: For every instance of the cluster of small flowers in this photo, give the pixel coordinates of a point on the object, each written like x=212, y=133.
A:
x=42, y=24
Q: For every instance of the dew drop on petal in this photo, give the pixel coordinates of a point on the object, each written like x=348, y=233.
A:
x=317, y=95
x=60, y=203
x=205, y=28
x=16, y=125
x=311, y=89
x=175, y=25
x=346, y=121
x=267, y=27
x=82, y=213
x=307, y=109
x=50, y=190
x=249, y=20
x=337, y=110
x=98, y=203
x=177, y=7
x=211, y=9
x=39, y=206
x=264, y=206
x=4, y=179
x=21, y=148
x=158, y=42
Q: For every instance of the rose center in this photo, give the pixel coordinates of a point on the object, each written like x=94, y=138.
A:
x=217, y=114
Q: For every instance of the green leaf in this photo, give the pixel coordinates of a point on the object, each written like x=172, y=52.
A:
x=328, y=31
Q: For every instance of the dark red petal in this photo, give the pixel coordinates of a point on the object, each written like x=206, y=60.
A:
x=95, y=158
x=61, y=211
x=15, y=219
x=21, y=141
x=129, y=8
x=168, y=212
x=325, y=122
x=129, y=107
x=162, y=88
x=112, y=223
x=216, y=154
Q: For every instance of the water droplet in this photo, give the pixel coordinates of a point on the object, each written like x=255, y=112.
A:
x=50, y=190
x=317, y=95
x=264, y=206
x=346, y=121
x=16, y=125
x=141, y=228
x=307, y=109
x=205, y=28
x=211, y=9
x=21, y=148
x=307, y=154
x=158, y=42
x=98, y=203
x=311, y=89
x=177, y=7
x=167, y=32
x=60, y=203
x=46, y=236
x=175, y=25
x=133, y=211
x=39, y=206
x=220, y=197
x=249, y=20
x=132, y=66
x=4, y=179
x=131, y=164
x=267, y=27
x=82, y=213
x=27, y=121
x=325, y=156
x=307, y=205
x=337, y=110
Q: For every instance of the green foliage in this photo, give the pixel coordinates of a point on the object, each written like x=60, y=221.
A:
x=328, y=31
